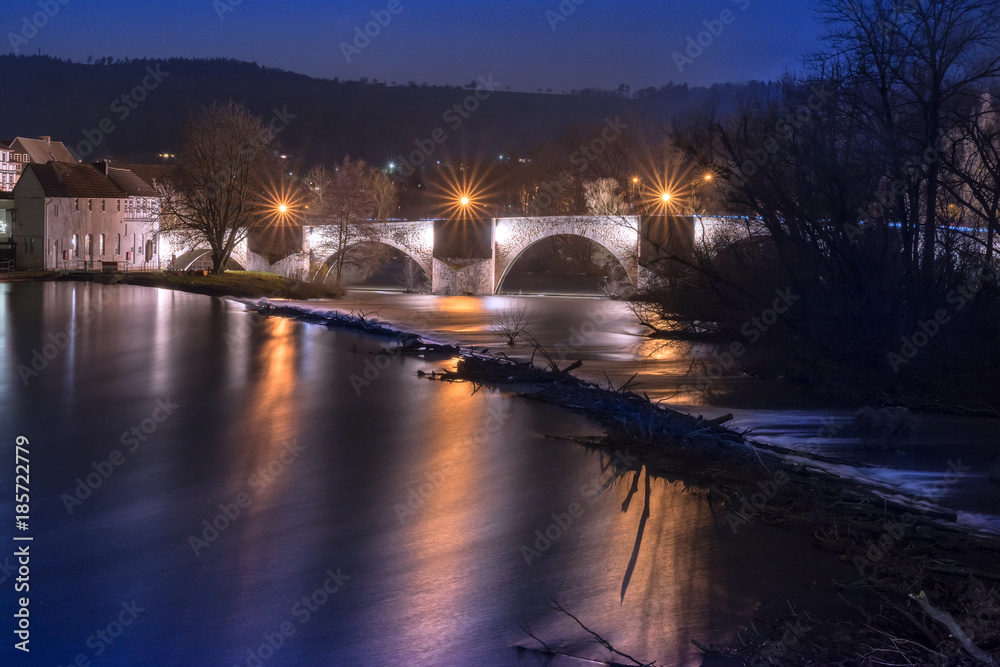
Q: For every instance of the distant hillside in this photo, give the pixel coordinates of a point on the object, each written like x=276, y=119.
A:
x=69, y=101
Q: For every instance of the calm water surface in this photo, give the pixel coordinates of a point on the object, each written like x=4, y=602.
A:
x=422, y=500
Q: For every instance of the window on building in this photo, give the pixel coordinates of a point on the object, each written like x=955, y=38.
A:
x=118, y=244
x=90, y=204
x=101, y=245
x=76, y=204
x=88, y=245
x=103, y=206
x=76, y=245
x=119, y=205
x=149, y=251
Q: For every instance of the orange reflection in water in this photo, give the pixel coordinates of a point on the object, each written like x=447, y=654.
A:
x=270, y=417
x=444, y=530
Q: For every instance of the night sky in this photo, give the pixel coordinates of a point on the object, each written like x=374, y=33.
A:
x=603, y=43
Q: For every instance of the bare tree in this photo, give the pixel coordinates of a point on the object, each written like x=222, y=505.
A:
x=973, y=165
x=604, y=197
x=217, y=195
x=916, y=63
x=412, y=275
x=511, y=322
x=342, y=208
x=384, y=193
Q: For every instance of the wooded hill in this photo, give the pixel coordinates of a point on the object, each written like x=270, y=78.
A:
x=325, y=119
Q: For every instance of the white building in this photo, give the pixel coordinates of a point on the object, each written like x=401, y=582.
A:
x=9, y=170
x=79, y=216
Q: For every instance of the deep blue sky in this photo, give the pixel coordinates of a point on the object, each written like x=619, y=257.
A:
x=603, y=43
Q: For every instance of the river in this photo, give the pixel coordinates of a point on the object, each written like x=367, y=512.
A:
x=210, y=488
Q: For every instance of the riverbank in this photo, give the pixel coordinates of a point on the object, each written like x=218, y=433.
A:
x=242, y=284
x=900, y=546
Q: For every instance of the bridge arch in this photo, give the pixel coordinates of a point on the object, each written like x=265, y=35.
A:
x=414, y=239
x=417, y=258
x=619, y=235
x=190, y=258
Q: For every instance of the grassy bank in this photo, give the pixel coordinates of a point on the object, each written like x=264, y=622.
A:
x=246, y=284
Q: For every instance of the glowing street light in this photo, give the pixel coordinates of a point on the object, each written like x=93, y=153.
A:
x=464, y=201
x=665, y=197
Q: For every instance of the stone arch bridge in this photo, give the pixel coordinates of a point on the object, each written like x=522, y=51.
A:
x=475, y=256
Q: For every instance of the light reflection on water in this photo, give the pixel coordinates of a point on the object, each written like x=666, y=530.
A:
x=447, y=584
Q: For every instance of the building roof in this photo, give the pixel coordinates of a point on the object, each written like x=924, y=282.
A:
x=130, y=183
x=62, y=179
x=40, y=151
x=160, y=173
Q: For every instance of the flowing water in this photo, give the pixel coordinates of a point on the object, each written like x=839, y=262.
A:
x=211, y=488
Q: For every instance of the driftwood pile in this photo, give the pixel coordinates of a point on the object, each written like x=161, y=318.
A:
x=407, y=343
x=898, y=547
